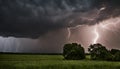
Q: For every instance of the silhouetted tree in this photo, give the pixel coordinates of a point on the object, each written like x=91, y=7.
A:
x=99, y=52
x=73, y=51
x=117, y=56
x=114, y=51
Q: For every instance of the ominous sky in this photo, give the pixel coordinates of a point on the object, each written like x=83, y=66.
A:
x=44, y=26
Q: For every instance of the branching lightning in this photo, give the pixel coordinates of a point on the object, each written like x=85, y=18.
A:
x=96, y=33
x=69, y=33
x=105, y=25
x=69, y=30
x=111, y=22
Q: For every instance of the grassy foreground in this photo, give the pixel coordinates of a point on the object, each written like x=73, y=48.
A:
x=19, y=61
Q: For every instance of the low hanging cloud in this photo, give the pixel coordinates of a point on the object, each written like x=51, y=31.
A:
x=34, y=18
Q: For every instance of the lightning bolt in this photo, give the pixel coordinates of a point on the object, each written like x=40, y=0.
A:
x=95, y=29
x=111, y=22
x=69, y=32
x=105, y=25
x=96, y=34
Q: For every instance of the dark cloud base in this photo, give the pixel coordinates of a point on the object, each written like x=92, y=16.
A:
x=34, y=18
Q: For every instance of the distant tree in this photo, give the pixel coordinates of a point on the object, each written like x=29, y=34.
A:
x=73, y=51
x=99, y=52
x=114, y=51
x=117, y=56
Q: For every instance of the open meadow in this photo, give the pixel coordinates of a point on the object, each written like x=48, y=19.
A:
x=36, y=61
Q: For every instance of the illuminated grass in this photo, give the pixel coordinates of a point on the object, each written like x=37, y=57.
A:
x=14, y=61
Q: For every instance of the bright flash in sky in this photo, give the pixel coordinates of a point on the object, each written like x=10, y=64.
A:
x=105, y=25
x=96, y=34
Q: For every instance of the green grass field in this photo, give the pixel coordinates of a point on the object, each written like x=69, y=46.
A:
x=19, y=61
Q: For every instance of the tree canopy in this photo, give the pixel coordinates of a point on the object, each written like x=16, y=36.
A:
x=99, y=52
x=73, y=51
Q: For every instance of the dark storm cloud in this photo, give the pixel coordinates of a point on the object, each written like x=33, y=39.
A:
x=112, y=9
x=33, y=18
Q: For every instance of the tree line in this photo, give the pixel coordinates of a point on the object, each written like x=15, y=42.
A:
x=97, y=51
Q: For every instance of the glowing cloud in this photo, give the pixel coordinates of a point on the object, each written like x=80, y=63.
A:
x=112, y=22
